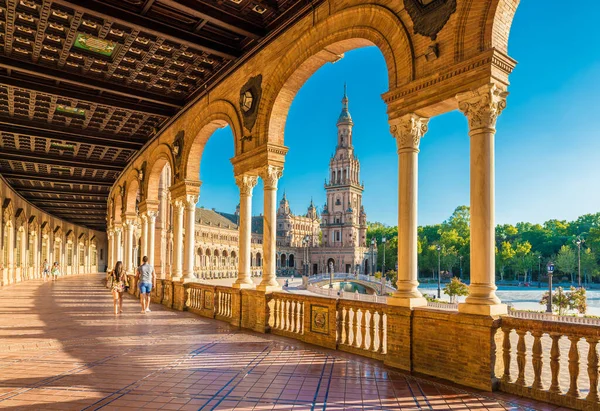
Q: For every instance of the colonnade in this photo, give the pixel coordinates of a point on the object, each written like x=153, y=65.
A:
x=481, y=107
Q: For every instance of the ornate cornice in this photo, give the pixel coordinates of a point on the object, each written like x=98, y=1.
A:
x=492, y=65
x=482, y=106
x=408, y=131
x=185, y=188
x=246, y=183
x=251, y=161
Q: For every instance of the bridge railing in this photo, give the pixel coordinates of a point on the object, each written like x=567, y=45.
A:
x=546, y=360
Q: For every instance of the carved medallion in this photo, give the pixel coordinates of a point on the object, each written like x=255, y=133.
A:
x=319, y=319
x=249, y=98
x=429, y=16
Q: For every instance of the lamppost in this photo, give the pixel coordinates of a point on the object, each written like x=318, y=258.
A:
x=550, y=271
x=305, y=241
x=330, y=275
x=460, y=266
x=373, y=265
x=539, y=271
x=439, y=250
x=578, y=241
x=383, y=268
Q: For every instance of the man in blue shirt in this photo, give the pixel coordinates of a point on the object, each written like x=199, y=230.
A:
x=146, y=280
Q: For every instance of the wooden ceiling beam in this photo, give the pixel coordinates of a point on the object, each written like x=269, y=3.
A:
x=87, y=82
x=55, y=179
x=87, y=97
x=58, y=191
x=53, y=160
x=55, y=201
x=49, y=132
x=216, y=17
x=136, y=21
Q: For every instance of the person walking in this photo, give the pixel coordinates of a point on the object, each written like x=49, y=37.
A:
x=46, y=272
x=55, y=271
x=146, y=280
x=118, y=282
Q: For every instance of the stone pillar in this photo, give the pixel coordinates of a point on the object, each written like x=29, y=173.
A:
x=246, y=184
x=482, y=107
x=190, y=237
x=177, y=269
x=110, y=252
x=129, y=228
x=270, y=176
x=408, y=131
x=151, y=235
x=118, y=253
x=144, y=235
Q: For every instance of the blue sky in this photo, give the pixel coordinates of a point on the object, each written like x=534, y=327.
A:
x=547, y=141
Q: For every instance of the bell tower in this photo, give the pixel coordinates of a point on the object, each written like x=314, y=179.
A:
x=343, y=220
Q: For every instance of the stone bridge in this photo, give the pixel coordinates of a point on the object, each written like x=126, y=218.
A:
x=367, y=281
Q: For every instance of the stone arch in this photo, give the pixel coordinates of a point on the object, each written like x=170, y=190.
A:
x=352, y=28
x=160, y=157
x=117, y=206
x=218, y=114
x=488, y=25
x=132, y=189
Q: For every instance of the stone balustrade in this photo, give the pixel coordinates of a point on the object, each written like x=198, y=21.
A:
x=551, y=361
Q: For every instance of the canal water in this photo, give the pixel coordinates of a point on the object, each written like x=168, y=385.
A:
x=524, y=298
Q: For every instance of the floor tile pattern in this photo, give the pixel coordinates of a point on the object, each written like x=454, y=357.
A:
x=62, y=348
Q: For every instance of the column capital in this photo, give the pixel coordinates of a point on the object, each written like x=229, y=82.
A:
x=408, y=131
x=187, y=201
x=246, y=183
x=482, y=106
x=270, y=175
x=147, y=205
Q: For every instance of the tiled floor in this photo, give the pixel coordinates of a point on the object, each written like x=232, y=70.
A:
x=62, y=348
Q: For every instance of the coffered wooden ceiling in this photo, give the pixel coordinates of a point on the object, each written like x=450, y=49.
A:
x=85, y=83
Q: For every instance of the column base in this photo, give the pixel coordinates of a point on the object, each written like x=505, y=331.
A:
x=176, y=278
x=480, y=309
x=409, y=302
x=244, y=285
x=268, y=288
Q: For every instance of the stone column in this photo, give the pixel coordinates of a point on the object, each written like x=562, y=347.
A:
x=190, y=237
x=246, y=184
x=408, y=131
x=151, y=235
x=144, y=235
x=118, y=253
x=482, y=107
x=178, y=206
x=270, y=176
x=111, y=246
x=129, y=228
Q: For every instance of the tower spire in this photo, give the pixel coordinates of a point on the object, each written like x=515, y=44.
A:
x=345, y=117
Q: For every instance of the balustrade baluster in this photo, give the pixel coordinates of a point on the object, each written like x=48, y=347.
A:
x=282, y=313
x=286, y=315
x=536, y=360
x=293, y=316
x=353, y=327
x=555, y=363
x=276, y=303
x=382, y=333
x=372, y=331
x=592, y=360
x=573, y=367
x=506, y=354
x=359, y=318
x=229, y=305
x=521, y=359
x=365, y=329
x=301, y=318
x=345, y=326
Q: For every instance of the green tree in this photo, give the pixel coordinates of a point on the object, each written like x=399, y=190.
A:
x=589, y=264
x=522, y=259
x=566, y=260
x=456, y=288
x=505, y=258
